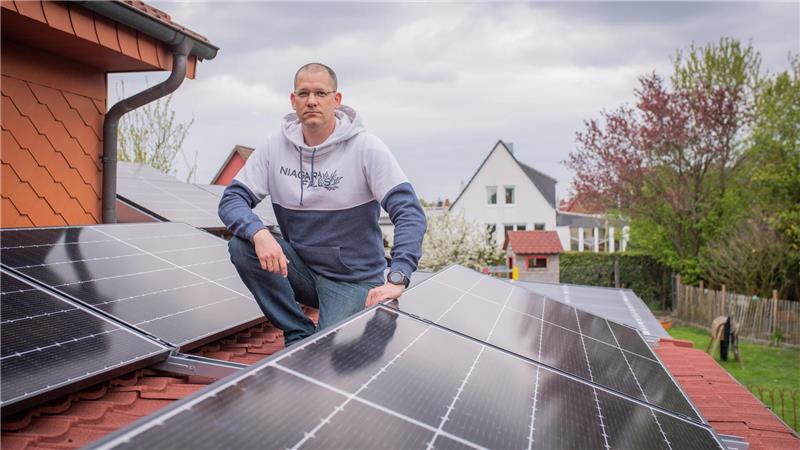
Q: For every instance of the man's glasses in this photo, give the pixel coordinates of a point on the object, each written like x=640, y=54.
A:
x=318, y=94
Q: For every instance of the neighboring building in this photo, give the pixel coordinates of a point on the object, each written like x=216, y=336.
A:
x=55, y=57
x=232, y=165
x=506, y=195
x=535, y=254
x=592, y=232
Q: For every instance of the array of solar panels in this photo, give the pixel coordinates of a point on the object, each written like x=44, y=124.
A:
x=169, y=282
x=620, y=305
x=485, y=365
x=49, y=342
x=169, y=199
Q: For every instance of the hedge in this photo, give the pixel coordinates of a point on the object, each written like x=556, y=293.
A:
x=647, y=277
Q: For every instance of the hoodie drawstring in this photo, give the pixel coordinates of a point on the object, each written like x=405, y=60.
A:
x=300, y=152
x=311, y=175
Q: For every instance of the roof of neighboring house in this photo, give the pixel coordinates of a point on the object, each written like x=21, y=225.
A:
x=727, y=405
x=533, y=242
x=574, y=220
x=241, y=150
x=544, y=183
x=576, y=204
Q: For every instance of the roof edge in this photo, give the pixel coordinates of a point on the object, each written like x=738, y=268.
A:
x=151, y=26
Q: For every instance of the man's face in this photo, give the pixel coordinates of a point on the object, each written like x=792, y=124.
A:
x=315, y=112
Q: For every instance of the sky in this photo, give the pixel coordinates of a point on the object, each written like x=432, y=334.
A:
x=440, y=83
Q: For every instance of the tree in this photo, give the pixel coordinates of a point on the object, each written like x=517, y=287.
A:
x=774, y=163
x=753, y=258
x=450, y=239
x=151, y=135
x=669, y=161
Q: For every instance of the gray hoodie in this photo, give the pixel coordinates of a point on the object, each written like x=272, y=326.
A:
x=327, y=199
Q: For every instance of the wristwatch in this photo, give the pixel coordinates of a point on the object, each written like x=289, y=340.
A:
x=396, y=277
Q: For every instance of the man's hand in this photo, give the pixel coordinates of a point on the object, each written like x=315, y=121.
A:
x=387, y=291
x=269, y=252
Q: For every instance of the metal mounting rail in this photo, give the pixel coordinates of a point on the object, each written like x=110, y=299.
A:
x=184, y=364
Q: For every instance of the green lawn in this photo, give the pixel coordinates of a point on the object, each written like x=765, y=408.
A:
x=762, y=366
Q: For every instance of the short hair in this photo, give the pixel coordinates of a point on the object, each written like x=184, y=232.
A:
x=317, y=67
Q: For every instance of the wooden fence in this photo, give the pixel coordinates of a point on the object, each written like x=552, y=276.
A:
x=758, y=318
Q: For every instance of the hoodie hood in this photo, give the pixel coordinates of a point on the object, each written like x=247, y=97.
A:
x=348, y=124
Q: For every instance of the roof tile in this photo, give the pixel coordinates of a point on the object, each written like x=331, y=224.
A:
x=726, y=404
x=534, y=242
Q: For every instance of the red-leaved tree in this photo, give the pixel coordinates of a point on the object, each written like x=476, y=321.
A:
x=667, y=162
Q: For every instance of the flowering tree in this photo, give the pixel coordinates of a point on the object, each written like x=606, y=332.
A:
x=669, y=160
x=451, y=239
x=151, y=135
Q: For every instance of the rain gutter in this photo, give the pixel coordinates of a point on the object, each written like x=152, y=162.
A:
x=183, y=45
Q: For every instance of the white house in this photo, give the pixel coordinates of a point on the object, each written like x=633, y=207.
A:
x=505, y=194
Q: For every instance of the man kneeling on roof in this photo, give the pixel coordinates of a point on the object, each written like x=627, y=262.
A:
x=328, y=179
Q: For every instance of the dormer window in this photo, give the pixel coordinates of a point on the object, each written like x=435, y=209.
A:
x=509, y=195
x=491, y=195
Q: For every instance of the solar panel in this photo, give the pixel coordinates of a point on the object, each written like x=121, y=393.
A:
x=50, y=344
x=386, y=380
x=619, y=305
x=167, y=279
x=263, y=210
x=170, y=199
x=542, y=329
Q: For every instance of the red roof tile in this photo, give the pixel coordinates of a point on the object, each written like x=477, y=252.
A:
x=534, y=242
x=726, y=404
x=81, y=418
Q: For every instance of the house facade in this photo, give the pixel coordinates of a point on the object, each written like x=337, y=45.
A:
x=506, y=194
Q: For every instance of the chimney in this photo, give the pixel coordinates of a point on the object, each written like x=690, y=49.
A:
x=510, y=147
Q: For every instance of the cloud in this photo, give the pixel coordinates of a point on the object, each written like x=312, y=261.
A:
x=441, y=82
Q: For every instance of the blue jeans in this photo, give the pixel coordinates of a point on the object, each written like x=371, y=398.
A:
x=278, y=296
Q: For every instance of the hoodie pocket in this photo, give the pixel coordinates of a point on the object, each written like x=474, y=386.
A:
x=322, y=259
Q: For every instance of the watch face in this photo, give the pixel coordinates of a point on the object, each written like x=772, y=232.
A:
x=395, y=277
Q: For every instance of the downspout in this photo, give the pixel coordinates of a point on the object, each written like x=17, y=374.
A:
x=180, y=53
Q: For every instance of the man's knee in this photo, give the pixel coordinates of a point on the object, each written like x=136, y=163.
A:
x=241, y=251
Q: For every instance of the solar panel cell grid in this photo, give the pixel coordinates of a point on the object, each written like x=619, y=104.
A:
x=385, y=380
x=469, y=302
x=173, y=200
x=166, y=279
x=49, y=343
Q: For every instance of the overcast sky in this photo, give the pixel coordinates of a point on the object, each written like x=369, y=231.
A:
x=441, y=83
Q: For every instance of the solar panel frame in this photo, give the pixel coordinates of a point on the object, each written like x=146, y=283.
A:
x=99, y=293
x=263, y=209
x=168, y=199
x=172, y=201
x=75, y=380
x=150, y=426
x=463, y=277
x=618, y=304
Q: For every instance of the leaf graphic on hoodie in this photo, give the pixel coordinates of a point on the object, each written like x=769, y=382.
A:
x=329, y=181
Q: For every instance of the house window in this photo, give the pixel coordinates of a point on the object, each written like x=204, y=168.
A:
x=491, y=228
x=538, y=226
x=521, y=227
x=491, y=195
x=535, y=263
x=509, y=195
